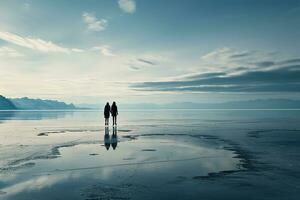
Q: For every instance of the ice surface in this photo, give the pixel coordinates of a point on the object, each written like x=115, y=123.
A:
x=163, y=154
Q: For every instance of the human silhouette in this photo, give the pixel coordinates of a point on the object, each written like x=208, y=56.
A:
x=114, y=138
x=106, y=113
x=114, y=112
x=106, y=138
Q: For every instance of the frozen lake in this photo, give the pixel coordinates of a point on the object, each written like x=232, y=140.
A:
x=175, y=154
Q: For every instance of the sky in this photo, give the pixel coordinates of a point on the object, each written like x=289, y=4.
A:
x=158, y=51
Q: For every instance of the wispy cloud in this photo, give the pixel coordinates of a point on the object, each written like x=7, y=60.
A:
x=134, y=68
x=94, y=24
x=277, y=80
x=290, y=61
x=249, y=75
x=128, y=6
x=104, y=49
x=149, y=62
x=9, y=52
x=33, y=43
x=225, y=55
x=77, y=50
x=235, y=61
x=264, y=63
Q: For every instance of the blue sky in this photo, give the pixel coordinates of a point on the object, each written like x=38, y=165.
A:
x=150, y=51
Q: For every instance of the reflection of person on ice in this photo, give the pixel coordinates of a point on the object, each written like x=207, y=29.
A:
x=106, y=113
x=114, y=112
x=110, y=140
x=106, y=138
x=114, y=138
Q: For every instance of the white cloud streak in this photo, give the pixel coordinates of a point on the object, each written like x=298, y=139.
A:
x=9, y=52
x=128, y=6
x=35, y=43
x=235, y=61
x=104, y=49
x=94, y=24
x=31, y=43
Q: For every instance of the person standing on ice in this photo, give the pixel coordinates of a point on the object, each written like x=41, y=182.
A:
x=106, y=113
x=114, y=112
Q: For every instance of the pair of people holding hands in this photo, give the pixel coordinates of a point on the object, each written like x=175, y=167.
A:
x=113, y=110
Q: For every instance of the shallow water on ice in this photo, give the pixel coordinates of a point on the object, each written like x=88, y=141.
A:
x=171, y=153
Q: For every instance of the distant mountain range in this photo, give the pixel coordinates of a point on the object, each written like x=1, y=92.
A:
x=6, y=104
x=39, y=104
x=26, y=103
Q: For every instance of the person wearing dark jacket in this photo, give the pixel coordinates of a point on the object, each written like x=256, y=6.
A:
x=114, y=112
x=106, y=113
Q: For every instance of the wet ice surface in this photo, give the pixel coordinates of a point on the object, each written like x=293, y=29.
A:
x=173, y=154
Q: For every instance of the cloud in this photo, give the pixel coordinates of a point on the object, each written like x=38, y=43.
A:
x=104, y=49
x=217, y=54
x=201, y=75
x=241, y=55
x=128, y=6
x=34, y=43
x=227, y=55
x=36, y=183
x=146, y=61
x=224, y=59
x=265, y=63
x=248, y=75
x=290, y=61
x=77, y=50
x=9, y=52
x=235, y=61
x=279, y=80
x=134, y=68
x=150, y=59
x=94, y=24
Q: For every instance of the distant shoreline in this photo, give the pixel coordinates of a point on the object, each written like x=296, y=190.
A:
x=147, y=109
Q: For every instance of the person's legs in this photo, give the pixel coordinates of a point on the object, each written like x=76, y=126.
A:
x=115, y=120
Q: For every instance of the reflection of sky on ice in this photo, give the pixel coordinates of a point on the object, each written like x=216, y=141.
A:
x=114, y=167
x=159, y=136
x=36, y=183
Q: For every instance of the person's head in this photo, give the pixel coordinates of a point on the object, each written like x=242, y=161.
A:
x=114, y=103
x=107, y=103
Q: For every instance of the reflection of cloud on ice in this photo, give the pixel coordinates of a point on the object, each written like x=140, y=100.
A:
x=104, y=174
x=47, y=181
x=225, y=162
x=34, y=184
x=7, y=177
